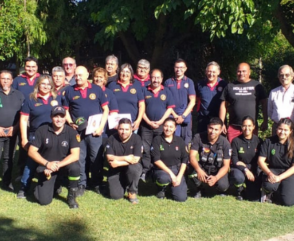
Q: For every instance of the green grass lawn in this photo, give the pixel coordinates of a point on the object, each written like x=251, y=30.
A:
x=98, y=218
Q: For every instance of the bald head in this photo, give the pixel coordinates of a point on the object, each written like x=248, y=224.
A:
x=69, y=66
x=81, y=75
x=243, y=73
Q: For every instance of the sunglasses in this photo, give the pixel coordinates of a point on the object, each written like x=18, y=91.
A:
x=70, y=64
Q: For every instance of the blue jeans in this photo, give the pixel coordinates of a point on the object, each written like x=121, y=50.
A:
x=89, y=148
x=29, y=169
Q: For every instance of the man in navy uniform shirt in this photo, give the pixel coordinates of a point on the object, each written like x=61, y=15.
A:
x=183, y=92
x=82, y=101
x=159, y=105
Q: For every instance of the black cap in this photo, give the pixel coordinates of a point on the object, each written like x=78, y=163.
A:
x=82, y=123
x=58, y=110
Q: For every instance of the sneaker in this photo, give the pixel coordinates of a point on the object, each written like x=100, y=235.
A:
x=143, y=177
x=81, y=191
x=266, y=197
x=21, y=194
x=58, y=191
x=8, y=187
x=198, y=195
x=161, y=194
x=133, y=198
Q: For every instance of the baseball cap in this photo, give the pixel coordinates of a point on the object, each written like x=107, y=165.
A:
x=58, y=110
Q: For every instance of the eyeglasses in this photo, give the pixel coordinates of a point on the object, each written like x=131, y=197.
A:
x=68, y=64
x=45, y=84
x=284, y=75
x=142, y=68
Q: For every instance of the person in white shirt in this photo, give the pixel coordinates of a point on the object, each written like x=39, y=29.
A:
x=281, y=99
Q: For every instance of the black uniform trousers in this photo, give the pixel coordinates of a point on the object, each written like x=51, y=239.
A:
x=252, y=188
x=285, y=188
x=122, y=178
x=163, y=179
x=147, y=134
x=44, y=191
x=7, y=148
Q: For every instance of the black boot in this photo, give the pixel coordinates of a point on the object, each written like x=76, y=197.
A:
x=239, y=193
x=71, y=198
x=161, y=192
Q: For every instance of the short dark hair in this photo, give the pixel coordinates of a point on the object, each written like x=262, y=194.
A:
x=124, y=121
x=170, y=119
x=161, y=73
x=6, y=72
x=31, y=58
x=215, y=121
x=180, y=61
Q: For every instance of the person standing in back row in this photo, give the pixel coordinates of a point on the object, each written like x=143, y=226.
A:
x=243, y=97
x=183, y=91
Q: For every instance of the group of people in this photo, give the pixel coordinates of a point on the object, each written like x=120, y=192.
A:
x=50, y=114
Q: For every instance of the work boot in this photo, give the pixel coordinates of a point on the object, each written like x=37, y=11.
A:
x=198, y=194
x=71, y=198
x=161, y=192
x=239, y=193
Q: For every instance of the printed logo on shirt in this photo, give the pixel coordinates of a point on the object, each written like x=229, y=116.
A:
x=38, y=104
x=53, y=103
x=22, y=84
x=64, y=144
x=92, y=96
x=133, y=91
x=163, y=97
x=177, y=148
x=76, y=97
x=220, y=89
x=148, y=97
x=78, y=137
x=241, y=150
x=161, y=148
x=205, y=149
x=116, y=90
x=63, y=92
x=186, y=85
x=106, y=95
x=273, y=152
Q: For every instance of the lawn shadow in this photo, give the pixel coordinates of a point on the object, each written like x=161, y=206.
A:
x=62, y=231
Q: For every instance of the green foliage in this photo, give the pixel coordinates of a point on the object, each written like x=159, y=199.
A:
x=19, y=23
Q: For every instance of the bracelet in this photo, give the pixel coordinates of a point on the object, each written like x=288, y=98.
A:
x=46, y=164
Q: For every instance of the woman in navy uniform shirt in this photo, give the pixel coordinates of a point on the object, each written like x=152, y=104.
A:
x=170, y=158
x=36, y=110
x=276, y=159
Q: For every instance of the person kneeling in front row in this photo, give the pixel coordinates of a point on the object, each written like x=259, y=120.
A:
x=56, y=149
x=123, y=152
x=214, y=158
x=276, y=159
x=170, y=158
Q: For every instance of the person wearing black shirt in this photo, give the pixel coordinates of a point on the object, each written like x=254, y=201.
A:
x=56, y=149
x=214, y=157
x=276, y=159
x=11, y=101
x=244, y=161
x=123, y=153
x=170, y=158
